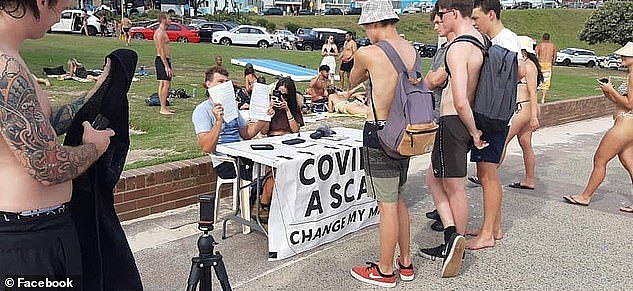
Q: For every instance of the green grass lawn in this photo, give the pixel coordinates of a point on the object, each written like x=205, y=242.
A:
x=175, y=132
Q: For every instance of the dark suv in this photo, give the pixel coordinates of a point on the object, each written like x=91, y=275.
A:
x=313, y=39
x=273, y=11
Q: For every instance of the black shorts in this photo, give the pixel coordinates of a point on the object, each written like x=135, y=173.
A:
x=161, y=72
x=492, y=153
x=452, y=142
x=39, y=245
x=347, y=66
x=126, y=29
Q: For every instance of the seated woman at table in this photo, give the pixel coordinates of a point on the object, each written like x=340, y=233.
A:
x=287, y=119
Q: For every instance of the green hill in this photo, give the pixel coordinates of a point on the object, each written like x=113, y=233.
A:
x=563, y=24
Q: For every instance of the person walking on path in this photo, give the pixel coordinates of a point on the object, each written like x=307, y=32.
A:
x=618, y=140
x=546, y=53
x=525, y=120
x=347, y=59
x=163, y=62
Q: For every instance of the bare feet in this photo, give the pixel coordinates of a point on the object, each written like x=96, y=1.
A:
x=168, y=112
x=627, y=209
x=498, y=235
x=479, y=242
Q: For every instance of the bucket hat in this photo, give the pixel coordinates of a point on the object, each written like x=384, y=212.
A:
x=376, y=11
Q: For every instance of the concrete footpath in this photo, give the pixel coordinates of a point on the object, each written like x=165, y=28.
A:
x=548, y=243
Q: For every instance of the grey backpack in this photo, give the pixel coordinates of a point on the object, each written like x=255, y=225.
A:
x=495, y=99
x=409, y=129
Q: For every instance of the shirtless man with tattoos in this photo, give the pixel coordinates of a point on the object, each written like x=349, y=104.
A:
x=37, y=235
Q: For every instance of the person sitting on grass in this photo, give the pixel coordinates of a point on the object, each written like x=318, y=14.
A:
x=77, y=70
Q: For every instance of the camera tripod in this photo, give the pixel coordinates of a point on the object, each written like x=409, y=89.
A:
x=202, y=264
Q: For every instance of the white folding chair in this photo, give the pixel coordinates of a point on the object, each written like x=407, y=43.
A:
x=245, y=197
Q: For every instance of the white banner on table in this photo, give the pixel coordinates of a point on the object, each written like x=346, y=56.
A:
x=337, y=204
x=260, y=102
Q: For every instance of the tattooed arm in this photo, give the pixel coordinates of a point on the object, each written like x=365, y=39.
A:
x=29, y=134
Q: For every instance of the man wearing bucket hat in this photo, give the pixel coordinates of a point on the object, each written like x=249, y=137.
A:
x=618, y=140
x=385, y=176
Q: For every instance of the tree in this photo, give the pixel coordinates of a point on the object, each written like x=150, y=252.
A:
x=612, y=22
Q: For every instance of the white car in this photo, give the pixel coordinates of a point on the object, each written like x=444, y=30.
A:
x=411, y=9
x=70, y=21
x=244, y=35
x=576, y=56
x=280, y=34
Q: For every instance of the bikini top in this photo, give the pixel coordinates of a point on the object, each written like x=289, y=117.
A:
x=331, y=50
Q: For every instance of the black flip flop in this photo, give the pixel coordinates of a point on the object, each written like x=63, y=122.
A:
x=517, y=185
x=571, y=200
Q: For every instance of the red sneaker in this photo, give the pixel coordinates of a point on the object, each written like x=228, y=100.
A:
x=370, y=274
x=406, y=273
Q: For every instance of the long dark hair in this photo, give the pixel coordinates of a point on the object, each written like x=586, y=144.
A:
x=539, y=77
x=249, y=71
x=291, y=98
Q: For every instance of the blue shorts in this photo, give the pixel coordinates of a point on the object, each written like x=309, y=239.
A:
x=492, y=153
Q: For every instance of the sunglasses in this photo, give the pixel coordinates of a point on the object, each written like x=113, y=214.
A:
x=441, y=13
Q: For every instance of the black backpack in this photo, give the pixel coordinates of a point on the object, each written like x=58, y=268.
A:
x=495, y=99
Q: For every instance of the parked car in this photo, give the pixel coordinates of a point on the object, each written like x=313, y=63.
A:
x=311, y=39
x=610, y=62
x=244, y=35
x=425, y=50
x=280, y=34
x=306, y=12
x=576, y=56
x=508, y=4
x=333, y=11
x=523, y=5
x=175, y=32
x=273, y=11
x=206, y=29
x=70, y=21
x=411, y=9
x=361, y=42
x=353, y=11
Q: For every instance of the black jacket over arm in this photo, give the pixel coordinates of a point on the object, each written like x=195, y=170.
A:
x=108, y=263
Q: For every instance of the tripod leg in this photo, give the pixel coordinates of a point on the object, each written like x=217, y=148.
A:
x=207, y=278
x=194, y=276
x=220, y=272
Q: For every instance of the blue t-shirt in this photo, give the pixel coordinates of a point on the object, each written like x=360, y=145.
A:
x=203, y=120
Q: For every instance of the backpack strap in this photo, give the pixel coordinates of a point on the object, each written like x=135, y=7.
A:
x=470, y=39
x=396, y=60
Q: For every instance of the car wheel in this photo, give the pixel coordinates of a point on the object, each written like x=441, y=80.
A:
x=307, y=47
x=225, y=41
x=92, y=31
x=183, y=39
x=262, y=44
x=138, y=35
x=591, y=64
x=566, y=62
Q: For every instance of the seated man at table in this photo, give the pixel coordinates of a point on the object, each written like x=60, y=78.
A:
x=211, y=133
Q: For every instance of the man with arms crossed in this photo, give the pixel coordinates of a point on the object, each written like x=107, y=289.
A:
x=457, y=132
x=385, y=177
x=163, y=62
x=546, y=53
x=347, y=59
x=37, y=234
x=487, y=19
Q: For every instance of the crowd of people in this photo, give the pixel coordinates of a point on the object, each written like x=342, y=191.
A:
x=35, y=206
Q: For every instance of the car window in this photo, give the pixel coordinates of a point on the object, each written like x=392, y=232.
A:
x=255, y=31
x=173, y=27
x=218, y=27
x=67, y=15
x=243, y=30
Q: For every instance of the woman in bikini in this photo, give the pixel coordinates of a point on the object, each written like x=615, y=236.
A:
x=619, y=138
x=348, y=102
x=525, y=120
x=329, y=52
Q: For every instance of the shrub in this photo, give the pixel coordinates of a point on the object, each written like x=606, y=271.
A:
x=292, y=27
x=610, y=23
x=270, y=26
x=261, y=22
